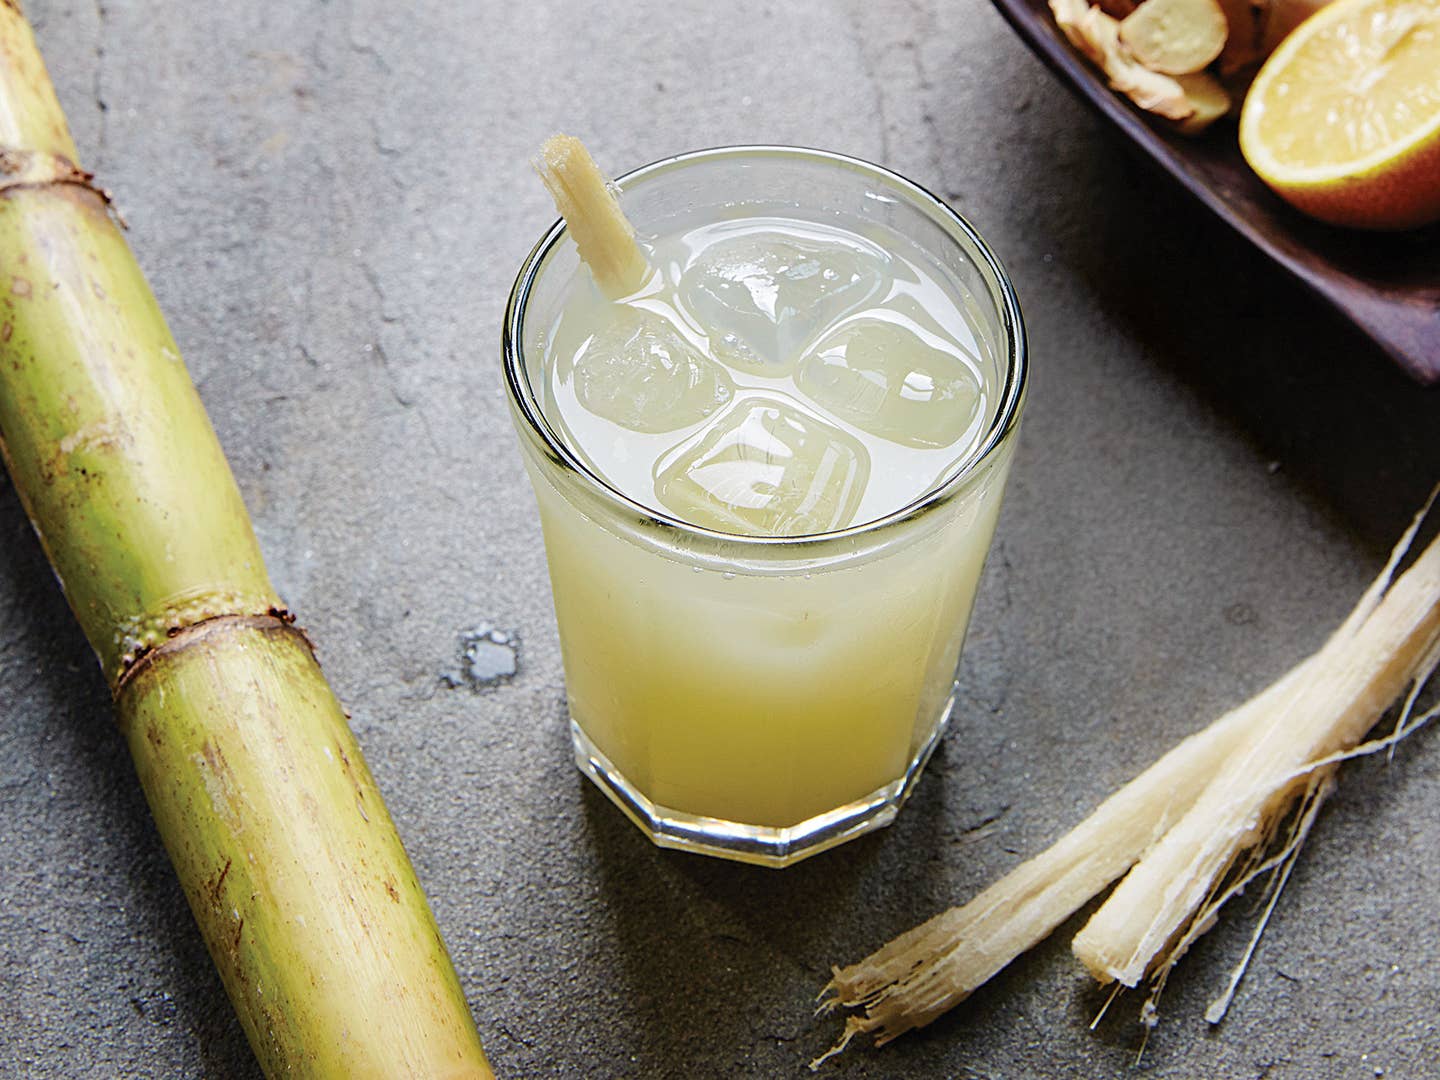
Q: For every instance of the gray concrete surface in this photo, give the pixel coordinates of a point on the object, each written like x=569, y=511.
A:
x=331, y=199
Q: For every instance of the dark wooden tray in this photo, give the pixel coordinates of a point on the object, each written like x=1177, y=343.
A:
x=1387, y=284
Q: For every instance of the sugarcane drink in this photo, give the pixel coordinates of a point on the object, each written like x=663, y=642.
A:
x=775, y=375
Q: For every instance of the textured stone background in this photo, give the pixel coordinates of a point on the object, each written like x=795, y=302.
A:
x=331, y=198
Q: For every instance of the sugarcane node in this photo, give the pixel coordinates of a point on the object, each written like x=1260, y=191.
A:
x=289, y=620
x=192, y=635
x=37, y=169
x=136, y=635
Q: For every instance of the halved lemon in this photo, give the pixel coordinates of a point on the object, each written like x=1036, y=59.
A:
x=1343, y=120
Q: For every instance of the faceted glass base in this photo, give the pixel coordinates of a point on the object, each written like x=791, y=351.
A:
x=759, y=844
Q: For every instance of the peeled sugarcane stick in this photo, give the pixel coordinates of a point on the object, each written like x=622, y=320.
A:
x=928, y=970
x=603, y=234
x=290, y=862
x=1390, y=640
x=1359, y=673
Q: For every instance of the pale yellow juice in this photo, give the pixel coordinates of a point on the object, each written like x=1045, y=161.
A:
x=756, y=699
x=780, y=375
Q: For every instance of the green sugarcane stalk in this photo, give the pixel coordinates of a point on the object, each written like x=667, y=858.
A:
x=292, y=867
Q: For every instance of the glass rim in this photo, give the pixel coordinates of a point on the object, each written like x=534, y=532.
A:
x=1012, y=327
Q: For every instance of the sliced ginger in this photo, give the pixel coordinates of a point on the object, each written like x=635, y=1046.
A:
x=1097, y=35
x=1175, y=37
x=1189, y=96
x=1208, y=97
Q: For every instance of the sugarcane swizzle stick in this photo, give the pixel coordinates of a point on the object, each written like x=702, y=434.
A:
x=602, y=232
x=294, y=871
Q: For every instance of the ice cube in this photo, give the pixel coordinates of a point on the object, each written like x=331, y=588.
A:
x=893, y=380
x=763, y=296
x=765, y=468
x=638, y=371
